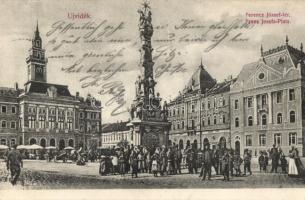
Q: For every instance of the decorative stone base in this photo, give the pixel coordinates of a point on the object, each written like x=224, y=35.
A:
x=148, y=133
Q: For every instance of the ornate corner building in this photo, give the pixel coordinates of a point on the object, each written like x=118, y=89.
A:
x=47, y=114
x=263, y=106
x=201, y=112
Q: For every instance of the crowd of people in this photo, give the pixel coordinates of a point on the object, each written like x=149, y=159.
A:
x=221, y=161
x=170, y=160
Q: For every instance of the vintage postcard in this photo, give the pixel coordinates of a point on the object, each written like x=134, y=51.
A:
x=161, y=94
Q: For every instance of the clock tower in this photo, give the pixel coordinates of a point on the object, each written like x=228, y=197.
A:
x=36, y=61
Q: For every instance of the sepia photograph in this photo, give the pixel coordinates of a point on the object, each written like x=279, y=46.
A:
x=118, y=95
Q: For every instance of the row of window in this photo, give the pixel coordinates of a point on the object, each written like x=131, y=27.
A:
x=91, y=127
x=92, y=115
x=176, y=111
x=11, y=124
x=32, y=110
x=114, y=137
x=278, y=97
x=204, y=122
x=51, y=123
x=4, y=141
x=279, y=119
x=4, y=110
x=277, y=139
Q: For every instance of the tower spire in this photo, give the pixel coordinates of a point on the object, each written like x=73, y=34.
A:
x=37, y=30
x=262, y=50
x=301, y=47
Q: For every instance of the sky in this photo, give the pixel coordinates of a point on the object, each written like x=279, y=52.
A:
x=178, y=49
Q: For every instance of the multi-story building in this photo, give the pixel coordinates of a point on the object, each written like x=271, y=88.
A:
x=263, y=106
x=267, y=105
x=47, y=113
x=9, y=119
x=115, y=133
x=200, y=114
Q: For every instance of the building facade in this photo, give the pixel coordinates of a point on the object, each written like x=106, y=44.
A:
x=201, y=113
x=263, y=106
x=115, y=133
x=267, y=105
x=47, y=114
x=9, y=118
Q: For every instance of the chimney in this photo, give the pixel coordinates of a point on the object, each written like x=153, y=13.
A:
x=16, y=86
x=77, y=94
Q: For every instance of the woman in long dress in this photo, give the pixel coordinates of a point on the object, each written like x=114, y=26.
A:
x=292, y=168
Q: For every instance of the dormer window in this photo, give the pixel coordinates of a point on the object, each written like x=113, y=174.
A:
x=52, y=91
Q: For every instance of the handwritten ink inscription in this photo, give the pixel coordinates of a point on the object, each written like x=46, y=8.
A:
x=99, y=51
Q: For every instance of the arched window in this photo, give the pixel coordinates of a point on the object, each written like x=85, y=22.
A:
x=52, y=142
x=43, y=142
x=71, y=143
x=236, y=122
x=292, y=117
x=188, y=144
x=250, y=121
x=279, y=118
x=13, y=142
x=215, y=120
x=3, y=142
x=33, y=141
x=264, y=119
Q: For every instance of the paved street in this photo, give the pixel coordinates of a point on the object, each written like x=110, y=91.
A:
x=43, y=175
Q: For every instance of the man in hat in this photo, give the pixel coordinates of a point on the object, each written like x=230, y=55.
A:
x=14, y=164
x=207, y=157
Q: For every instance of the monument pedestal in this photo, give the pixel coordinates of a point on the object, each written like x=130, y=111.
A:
x=150, y=134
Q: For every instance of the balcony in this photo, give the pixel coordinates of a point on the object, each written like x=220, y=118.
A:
x=262, y=108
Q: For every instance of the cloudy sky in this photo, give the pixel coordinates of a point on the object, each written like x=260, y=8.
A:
x=178, y=50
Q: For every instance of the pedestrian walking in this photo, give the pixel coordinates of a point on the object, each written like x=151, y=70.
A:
x=122, y=162
x=163, y=161
x=134, y=163
x=154, y=166
x=284, y=164
x=194, y=160
x=207, y=157
x=140, y=162
x=266, y=161
x=226, y=166
x=13, y=164
x=292, y=167
x=261, y=162
x=179, y=159
x=247, y=162
x=237, y=161
x=216, y=161
x=169, y=162
x=274, y=158
x=115, y=163
x=189, y=160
